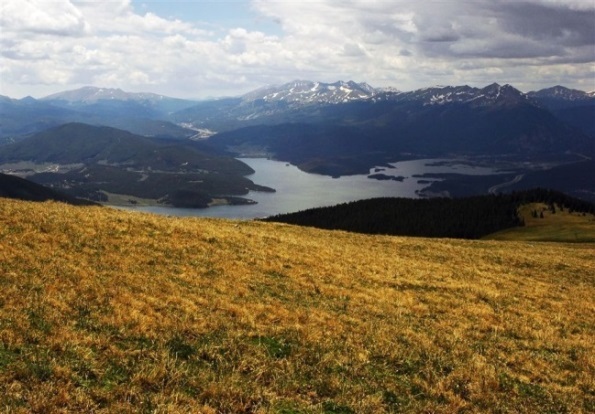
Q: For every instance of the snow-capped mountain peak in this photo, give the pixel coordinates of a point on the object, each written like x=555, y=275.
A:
x=502, y=94
x=301, y=92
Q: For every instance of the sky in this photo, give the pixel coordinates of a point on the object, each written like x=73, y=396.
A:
x=198, y=49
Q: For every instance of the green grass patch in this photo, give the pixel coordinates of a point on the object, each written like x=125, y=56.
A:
x=541, y=224
x=276, y=347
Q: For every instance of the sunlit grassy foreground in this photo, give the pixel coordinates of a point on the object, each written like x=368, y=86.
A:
x=109, y=311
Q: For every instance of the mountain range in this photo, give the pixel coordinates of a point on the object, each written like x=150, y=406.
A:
x=301, y=100
x=140, y=113
x=353, y=136
x=329, y=128
x=267, y=105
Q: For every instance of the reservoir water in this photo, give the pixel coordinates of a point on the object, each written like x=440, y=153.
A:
x=297, y=190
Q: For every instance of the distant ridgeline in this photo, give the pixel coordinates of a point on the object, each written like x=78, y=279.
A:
x=466, y=218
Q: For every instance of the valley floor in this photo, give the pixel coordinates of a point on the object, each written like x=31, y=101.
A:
x=110, y=311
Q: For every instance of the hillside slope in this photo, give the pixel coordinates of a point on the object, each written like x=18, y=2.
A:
x=115, y=166
x=552, y=222
x=19, y=188
x=109, y=311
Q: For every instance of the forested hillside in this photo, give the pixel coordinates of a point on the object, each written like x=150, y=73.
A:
x=19, y=188
x=105, y=164
x=467, y=218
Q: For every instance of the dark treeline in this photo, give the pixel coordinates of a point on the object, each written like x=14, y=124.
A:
x=467, y=218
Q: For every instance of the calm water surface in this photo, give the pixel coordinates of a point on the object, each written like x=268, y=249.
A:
x=297, y=190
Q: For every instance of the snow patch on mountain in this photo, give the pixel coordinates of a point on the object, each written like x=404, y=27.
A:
x=443, y=95
x=302, y=92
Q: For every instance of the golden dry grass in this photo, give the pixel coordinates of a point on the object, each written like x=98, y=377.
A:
x=109, y=311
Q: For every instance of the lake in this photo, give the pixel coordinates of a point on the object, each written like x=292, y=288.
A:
x=297, y=190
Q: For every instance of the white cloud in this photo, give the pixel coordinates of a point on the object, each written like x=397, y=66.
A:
x=48, y=46
x=416, y=42
x=39, y=17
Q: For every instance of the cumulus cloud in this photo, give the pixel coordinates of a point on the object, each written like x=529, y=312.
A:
x=34, y=16
x=497, y=35
x=50, y=46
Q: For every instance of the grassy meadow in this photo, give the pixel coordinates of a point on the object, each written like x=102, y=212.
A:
x=106, y=311
x=559, y=226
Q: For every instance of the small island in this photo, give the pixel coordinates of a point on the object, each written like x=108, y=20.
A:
x=384, y=177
